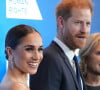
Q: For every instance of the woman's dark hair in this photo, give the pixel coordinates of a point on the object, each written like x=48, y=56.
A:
x=15, y=35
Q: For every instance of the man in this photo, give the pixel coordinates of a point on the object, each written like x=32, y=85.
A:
x=58, y=69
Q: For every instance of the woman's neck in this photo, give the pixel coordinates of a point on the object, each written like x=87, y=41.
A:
x=17, y=75
x=92, y=80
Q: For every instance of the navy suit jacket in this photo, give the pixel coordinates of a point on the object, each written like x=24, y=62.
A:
x=55, y=72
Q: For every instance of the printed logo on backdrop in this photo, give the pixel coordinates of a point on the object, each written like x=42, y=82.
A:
x=23, y=9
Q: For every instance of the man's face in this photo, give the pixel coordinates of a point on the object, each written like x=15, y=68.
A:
x=75, y=30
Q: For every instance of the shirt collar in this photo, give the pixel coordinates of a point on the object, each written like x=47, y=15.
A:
x=70, y=54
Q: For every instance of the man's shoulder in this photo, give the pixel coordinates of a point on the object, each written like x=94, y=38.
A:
x=53, y=47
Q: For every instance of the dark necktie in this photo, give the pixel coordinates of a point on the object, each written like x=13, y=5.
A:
x=77, y=72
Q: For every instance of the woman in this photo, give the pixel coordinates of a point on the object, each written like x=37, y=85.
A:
x=90, y=62
x=24, y=52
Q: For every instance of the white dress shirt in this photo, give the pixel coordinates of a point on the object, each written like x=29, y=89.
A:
x=69, y=53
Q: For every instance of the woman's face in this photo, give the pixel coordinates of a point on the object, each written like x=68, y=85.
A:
x=93, y=63
x=29, y=53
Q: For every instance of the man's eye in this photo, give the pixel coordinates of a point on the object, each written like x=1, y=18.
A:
x=78, y=22
x=88, y=23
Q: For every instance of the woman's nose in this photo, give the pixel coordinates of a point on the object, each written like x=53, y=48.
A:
x=36, y=55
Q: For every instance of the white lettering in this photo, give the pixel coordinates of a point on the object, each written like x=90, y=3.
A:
x=23, y=9
x=18, y=1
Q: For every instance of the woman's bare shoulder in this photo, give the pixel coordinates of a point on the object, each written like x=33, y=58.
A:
x=18, y=86
x=4, y=87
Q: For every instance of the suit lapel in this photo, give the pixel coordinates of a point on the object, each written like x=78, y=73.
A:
x=71, y=69
x=66, y=61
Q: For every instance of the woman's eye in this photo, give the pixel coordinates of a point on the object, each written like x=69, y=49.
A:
x=98, y=53
x=29, y=49
x=40, y=49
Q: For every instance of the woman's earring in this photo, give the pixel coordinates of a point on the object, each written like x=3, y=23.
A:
x=11, y=62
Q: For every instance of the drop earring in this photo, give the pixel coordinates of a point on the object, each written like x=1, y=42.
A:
x=11, y=62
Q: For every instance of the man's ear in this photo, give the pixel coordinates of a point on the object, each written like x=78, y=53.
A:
x=60, y=22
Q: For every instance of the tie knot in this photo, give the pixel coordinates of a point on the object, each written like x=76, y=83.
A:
x=75, y=58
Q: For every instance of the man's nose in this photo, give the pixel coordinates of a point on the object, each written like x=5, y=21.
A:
x=84, y=28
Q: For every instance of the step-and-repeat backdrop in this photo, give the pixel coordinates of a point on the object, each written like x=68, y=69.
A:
x=37, y=13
